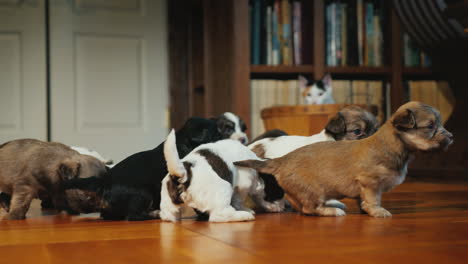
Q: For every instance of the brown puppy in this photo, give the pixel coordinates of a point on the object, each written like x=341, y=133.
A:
x=31, y=169
x=361, y=169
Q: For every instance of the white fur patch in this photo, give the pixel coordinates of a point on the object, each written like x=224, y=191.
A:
x=174, y=165
x=280, y=146
x=238, y=134
x=86, y=151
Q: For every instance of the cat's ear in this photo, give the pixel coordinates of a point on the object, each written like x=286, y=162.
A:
x=302, y=82
x=327, y=81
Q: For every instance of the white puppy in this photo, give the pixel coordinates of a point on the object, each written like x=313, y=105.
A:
x=207, y=180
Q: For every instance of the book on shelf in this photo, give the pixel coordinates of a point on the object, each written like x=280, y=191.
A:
x=267, y=93
x=255, y=31
x=297, y=29
x=353, y=32
x=412, y=55
x=276, y=32
x=434, y=93
x=286, y=37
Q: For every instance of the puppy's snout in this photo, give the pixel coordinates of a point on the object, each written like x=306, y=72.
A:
x=449, y=135
x=243, y=140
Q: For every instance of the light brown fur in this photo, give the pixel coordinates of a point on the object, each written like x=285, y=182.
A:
x=361, y=169
x=31, y=169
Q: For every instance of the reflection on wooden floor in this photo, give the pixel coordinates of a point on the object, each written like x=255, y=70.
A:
x=429, y=225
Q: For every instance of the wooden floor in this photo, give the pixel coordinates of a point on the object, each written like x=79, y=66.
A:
x=429, y=225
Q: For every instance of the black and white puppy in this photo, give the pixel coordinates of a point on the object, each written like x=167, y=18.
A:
x=207, y=181
x=232, y=126
x=131, y=189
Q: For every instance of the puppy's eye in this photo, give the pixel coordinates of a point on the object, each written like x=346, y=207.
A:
x=320, y=94
x=430, y=126
x=357, y=131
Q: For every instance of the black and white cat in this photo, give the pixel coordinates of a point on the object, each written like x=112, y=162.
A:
x=316, y=92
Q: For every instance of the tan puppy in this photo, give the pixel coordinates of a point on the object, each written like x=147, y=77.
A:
x=31, y=169
x=361, y=169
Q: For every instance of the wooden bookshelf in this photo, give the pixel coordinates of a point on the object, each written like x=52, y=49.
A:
x=226, y=58
x=359, y=70
x=282, y=69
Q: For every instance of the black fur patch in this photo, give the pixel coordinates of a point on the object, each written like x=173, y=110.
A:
x=273, y=191
x=175, y=188
x=225, y=126
x=270, y=134
x=218, y=164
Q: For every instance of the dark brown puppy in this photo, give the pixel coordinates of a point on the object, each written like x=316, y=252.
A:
x=32, y=168
x=361, y=169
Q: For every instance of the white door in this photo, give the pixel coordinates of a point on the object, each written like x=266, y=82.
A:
x=109, y=74
x=23, y=111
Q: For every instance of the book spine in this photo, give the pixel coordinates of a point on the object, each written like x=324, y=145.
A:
x=352, y=34
x=268, y=35
x=333, y=34
x=344, y=31
x=286, y=43
x=338, y=30
x=369, y=34
x=275, y=34
x=360, y=30
x=297, y=19
x=256, y=32
x=406, y=51
x=328, y=35
x=427, y=60
x=263, y=32
x=378, y=33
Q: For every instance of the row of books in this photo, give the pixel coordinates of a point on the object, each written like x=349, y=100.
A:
x=267, y=93
x=354, y=32
x=276, y=32
x=435, y=93
x=412, y=55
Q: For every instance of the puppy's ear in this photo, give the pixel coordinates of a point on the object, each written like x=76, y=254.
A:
x=336, y=125
x=69, y=169
x=404, y=120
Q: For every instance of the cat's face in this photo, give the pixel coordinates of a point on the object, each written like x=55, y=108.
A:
x=316, y=92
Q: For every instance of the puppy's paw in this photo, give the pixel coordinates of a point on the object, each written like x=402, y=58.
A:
x=234, y=216
x=336, y=204
x=11, y=216
x=243, y=216
x=154, y=214
x=168, y=216
x=274, y=207
x=380, y=212
x=330, y=211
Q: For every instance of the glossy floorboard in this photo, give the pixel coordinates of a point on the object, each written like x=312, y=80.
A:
x=429, y=225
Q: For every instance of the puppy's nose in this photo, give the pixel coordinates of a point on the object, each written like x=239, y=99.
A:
x=243, y=140
x=449, y=135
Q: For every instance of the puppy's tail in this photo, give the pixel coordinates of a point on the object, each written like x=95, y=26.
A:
x=174, y=165
x=263, y=166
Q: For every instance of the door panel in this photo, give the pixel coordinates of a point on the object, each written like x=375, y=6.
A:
x=23, y=111
x=109, y=74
